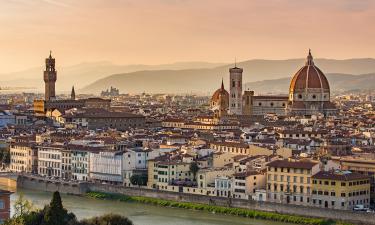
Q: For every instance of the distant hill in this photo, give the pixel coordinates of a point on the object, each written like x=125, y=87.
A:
x=207, y=80
x=83, y=74
x=338, y=83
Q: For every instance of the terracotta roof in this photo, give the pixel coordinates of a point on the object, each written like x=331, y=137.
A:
x=343, y=176
x=292, y=164
x=309, y=76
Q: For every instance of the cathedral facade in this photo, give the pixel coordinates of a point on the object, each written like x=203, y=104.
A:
x=309, y=94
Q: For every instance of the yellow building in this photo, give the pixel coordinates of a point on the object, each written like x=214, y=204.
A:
x=361, y=164
x=23, y=157
x=340, y=190
x=289, y=181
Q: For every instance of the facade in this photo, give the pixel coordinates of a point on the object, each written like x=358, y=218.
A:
x=106, y=167
x=235, y=90
x=267, y=104
x=246, y=183
x=364, y=166
x=50, y=77
x=23, y=157
x=290, y=182
x=340, y=190
x=4, y=205
x=309, y=91
x=101, y=119
x=50, y=161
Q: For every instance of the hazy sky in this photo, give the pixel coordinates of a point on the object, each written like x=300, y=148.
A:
x=165, y=31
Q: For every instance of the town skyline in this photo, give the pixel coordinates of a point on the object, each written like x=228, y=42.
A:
x=129, y=32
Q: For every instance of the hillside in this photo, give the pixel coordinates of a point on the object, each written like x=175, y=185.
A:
x=338, y=83
x=207, y=80
x=83, y=74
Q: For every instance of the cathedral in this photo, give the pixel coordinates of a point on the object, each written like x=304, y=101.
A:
x=309, y=94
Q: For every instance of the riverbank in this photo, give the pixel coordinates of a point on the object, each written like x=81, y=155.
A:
x=216, y=209
x=37, y=183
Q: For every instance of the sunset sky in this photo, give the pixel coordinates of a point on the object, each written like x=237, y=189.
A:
x=166, y=31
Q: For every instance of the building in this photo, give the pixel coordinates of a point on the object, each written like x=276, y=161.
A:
x=7, y=118
x=106, y=167
x=340, y=190
x=235, y=90
x=290, y=181
x=50, y=78
x=134, y=163
x=246, y=183
x=309, y=94
x=50, y=102
x=23, y=157
x=363, y=165
x=4, y=205
x=220, y=101
x=101, y=119
x=262, y=105
x=309, y=91
x=50, y=160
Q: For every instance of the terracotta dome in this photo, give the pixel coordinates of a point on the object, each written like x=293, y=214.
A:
x=221, y=92
x=309, y=77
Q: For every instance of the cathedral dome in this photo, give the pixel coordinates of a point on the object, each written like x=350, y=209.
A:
x=309, y=77
x=220, y=93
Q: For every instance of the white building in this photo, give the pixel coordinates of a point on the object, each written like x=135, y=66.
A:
x=106, y=166
x=50, y=160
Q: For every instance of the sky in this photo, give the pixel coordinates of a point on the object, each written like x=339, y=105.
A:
x=167, y=31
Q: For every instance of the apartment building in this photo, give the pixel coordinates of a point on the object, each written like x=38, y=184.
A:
x=23, y=157
x=290, y=181
x=340, y=190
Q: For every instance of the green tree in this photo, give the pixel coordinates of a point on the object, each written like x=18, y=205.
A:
x=108, y=219
x=56, y=214
x=139, y=180
x=194, y=169
x=22, y=206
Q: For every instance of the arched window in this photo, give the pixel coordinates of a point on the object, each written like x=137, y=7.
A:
x=300, y=96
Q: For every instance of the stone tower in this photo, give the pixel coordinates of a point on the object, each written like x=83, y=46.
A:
x=50, y=78
x=73, y=94
x=248, y=103
x=235, y=91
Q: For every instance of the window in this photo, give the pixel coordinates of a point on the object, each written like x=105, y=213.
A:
x=2, y=205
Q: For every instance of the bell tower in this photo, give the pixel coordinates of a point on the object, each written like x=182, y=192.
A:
x=235, y=91
x=50, y=78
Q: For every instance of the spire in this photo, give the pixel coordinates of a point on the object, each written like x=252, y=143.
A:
x=222, y=84
x=73, y=94
x=50, y=54
x=309, y=59
x=235, y=62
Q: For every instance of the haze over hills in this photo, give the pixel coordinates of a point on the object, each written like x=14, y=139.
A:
x=83, y=74
x=338, y=83
x=205, y=81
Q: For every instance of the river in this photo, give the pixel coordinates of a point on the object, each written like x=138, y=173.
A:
x=140, y=214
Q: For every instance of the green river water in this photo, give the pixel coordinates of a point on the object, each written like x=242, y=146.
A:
x=140, y=214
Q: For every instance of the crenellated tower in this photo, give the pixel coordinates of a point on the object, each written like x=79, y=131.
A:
x=50, y=77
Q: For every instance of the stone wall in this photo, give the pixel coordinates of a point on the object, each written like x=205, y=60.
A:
x=81, y=188
x=42, y=184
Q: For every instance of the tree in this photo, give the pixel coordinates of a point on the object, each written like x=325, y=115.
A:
x=22, y=206
x=139, y=180
x=108, y=219
x=55, y=213
x=194, y=169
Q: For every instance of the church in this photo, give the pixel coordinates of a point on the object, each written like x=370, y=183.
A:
x=309, y=94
